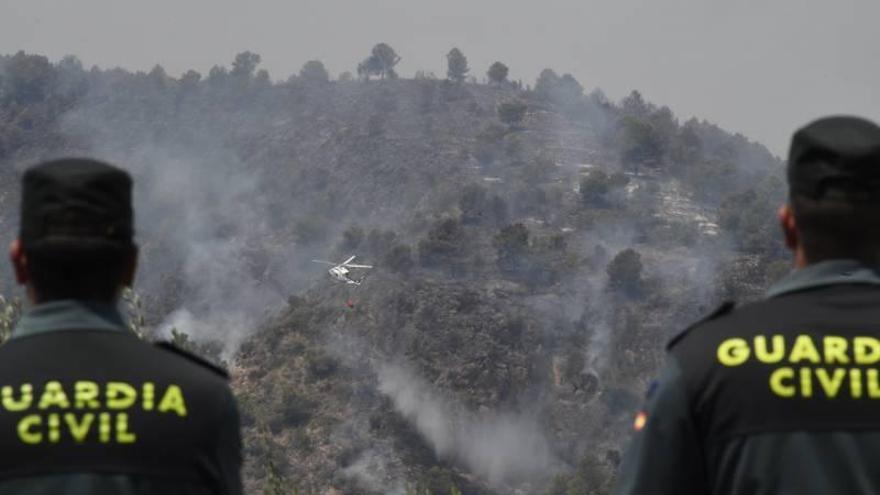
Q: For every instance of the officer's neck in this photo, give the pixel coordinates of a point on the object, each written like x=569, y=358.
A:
x=35, y=298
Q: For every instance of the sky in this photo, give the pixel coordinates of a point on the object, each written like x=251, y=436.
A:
x=758, y=67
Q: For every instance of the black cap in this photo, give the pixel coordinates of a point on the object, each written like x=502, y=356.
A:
x=76, y=200
x=836, y=157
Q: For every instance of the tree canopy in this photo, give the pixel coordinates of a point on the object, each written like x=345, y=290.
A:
x=245, y=64
x=381, y=63
x=497, y=73
x=313, y=71
x=456, y=65
x=512, y=112
x=565, y=90
x=625, y=271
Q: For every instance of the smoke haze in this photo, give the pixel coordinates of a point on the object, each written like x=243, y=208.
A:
x=500, y=447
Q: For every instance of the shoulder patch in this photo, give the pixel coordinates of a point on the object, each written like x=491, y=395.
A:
x=726, y=307
x=168, y=346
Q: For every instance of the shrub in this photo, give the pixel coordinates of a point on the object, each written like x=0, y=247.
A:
x=399, y=259
x=512, y=112
x=625, y=271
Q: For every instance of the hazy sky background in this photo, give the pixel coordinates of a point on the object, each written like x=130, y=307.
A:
x=758, y=67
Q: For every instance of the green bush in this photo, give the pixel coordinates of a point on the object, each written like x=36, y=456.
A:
x=625, y=271
x=512, y=247
x=399, y=259
x=512, y=112
x=320, y=365
x=596, y=188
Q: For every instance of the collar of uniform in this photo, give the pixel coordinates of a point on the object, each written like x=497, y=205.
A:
x=829, y=272
x=70, y=315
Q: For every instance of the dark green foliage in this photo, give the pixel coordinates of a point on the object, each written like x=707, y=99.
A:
x=352, y=239
x=591, y=477
x=248, y=409
x=436, y=481
x=70, y=64
x=262, y=80
x=564, y=91
x=574, y=374
x=245, y=64
x=747, y=217
x=399, y=259
x=320, y=365
x=217, y=76
x=427, y=90
x=512, y=246
x=27, y=78
x=665, y=125
x=314, y=72
x=289, y=409
x=473, y=204
x=456, y=65
x=158, y=77
x=381, y=62
x=302, y=441
x=635, y=106
x=512, y=112
x=189, y=80
x=709, y=178
x=625, y=271
x=498, y=209
x=387, y=58
x=478, y=208
x=379, y=242
x=548, y=260
x=569, y=89
x=275, y=483
x=444, y=245
x=376, y=126
x=597, y=187
x=489, y=142
x=689, y=137
x=546, y=84
x=640, y=142
x=310, y=230
x=492, y=133
x=538, y=170
x=71, y=81
x=497, y=73
x=675, y=233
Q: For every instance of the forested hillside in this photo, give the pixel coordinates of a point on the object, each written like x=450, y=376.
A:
x=534, y=246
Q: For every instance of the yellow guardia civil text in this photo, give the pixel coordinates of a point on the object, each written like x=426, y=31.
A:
x=805, y=366
x=86, y=410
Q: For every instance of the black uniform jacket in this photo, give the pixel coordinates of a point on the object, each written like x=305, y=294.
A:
x=781, y=396
x=87, y=407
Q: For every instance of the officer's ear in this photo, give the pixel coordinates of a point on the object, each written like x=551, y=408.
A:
x=19, y=262
x=789, y=227
x=130, y=267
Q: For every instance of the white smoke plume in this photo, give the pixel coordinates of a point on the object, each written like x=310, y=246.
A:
x=499, y=447
x=368, y=470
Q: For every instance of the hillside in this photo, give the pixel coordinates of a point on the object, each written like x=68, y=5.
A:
x=533, y=249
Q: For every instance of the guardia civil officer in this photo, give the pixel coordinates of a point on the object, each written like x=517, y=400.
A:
x=782, y=396
x=86, y=406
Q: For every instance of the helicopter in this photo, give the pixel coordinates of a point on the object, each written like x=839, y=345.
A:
x=340, y=271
